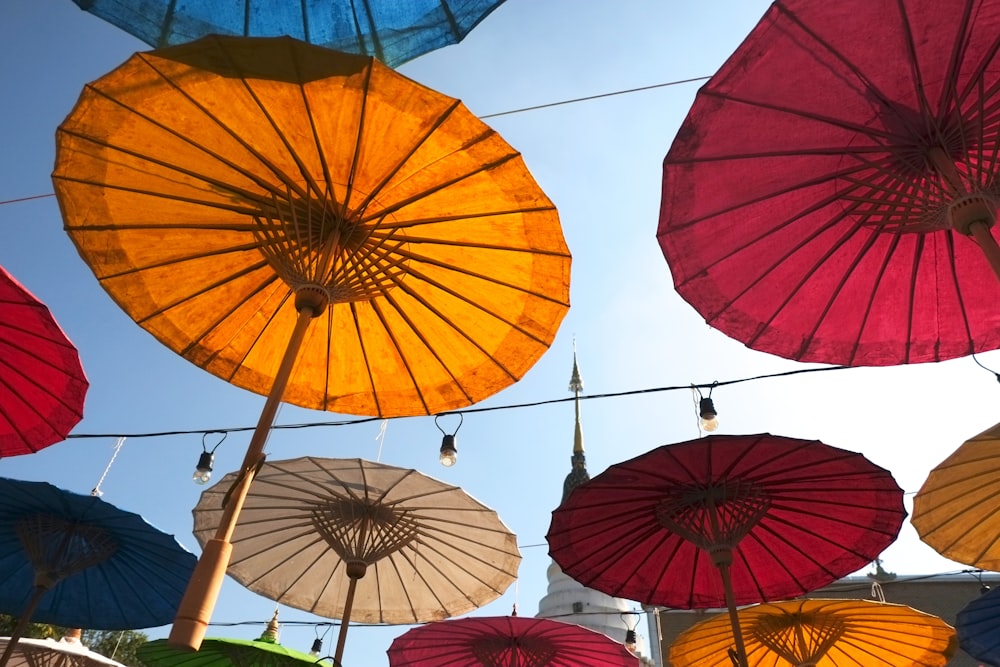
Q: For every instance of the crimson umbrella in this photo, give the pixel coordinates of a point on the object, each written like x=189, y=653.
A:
x=726, y=520
x=830, y=195
x=42, y=384
x=507, y=641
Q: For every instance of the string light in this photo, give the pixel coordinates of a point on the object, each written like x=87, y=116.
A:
x=514, y=406
x=631, y=620
x=706, y=410
x=203, y=471
x=449, y=453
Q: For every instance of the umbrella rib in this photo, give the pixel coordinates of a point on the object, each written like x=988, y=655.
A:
x=474, y=274
x=375, y=394
x=189, y=140
x=851, y=67
x=953, y=266
x=831, y=224
x=243, y=210
x=416, y=222
x=404, y=159
x=481, y=307
x=444, y=184
x=284, y=178
x=401, y=350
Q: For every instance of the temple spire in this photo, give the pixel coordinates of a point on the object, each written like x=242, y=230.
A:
x=578, y=474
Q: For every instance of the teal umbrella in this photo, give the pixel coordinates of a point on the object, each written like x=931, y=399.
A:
x=391, y=30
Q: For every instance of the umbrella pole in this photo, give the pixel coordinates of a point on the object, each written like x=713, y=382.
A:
x=970, y=215
x=723, y=558
x=195, y=611
x=22, y=623
x=342, y=636
x=980, y=231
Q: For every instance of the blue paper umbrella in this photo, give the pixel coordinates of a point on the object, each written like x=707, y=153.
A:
x=391, y=30
x=978, y=628
x=78, y=561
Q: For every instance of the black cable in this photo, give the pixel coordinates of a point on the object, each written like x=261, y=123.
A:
x=514, y=406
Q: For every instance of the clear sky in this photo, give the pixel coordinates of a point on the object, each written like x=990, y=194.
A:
x=600, y=162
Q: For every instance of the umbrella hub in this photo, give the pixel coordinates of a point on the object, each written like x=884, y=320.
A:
x=522, y=651
x=312, y=241
x=363, y=531
x=716, y=516
x=969, y=209
x=801, y=638
x=58, y=548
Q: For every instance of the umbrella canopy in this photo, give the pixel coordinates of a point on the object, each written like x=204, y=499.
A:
x=212, y=186
x=264, y=206
x=726, y=520
x=821, y=633
x=364, y=541
x=67, y=652
x=978, y=627
x=507, y=641
x=78, y=561
x=42, y=384
x=223, y=652
x=392, y=31
x=818, y=198
x=956, y=509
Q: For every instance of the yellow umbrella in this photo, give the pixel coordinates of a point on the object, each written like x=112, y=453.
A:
x=820, y=633
x=956, y=509
x=260, y=203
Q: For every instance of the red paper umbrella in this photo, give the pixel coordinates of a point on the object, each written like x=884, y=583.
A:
x=42, y=384
x=831, y=194
x=726, y=520
x=507, y=641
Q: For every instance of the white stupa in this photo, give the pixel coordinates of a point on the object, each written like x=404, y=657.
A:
x=568, y=600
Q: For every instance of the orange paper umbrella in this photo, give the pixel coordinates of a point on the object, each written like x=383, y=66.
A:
x=259, y=204
x=956, y=509
x=821, y=633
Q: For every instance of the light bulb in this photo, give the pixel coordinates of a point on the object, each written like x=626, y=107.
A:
x=630, y=640
x=448, y=452
x=317, y=647
x=709, y=418
x=203, y=471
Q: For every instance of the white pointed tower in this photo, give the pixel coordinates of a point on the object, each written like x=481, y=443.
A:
x=566, y=599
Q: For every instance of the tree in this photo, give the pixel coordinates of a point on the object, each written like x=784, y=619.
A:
x=120, y=645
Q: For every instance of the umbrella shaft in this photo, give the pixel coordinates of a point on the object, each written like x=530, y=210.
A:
x=22, y=623
x=984, y=238
x=255, y=450
x=202, y=591
x=342, y=637
x=734, y=619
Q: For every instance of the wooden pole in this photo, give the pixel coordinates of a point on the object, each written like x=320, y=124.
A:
x=202, y=592
x=22, y=623
x=723, y=559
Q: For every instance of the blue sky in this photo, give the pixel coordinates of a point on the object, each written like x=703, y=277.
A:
x=600, y=162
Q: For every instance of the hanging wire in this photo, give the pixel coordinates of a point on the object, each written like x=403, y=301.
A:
x=381, y=439
x=121, y=635
x=96, y=491
x=877, y=592
x=467, y=411
x=995, y=374
x=695, y=401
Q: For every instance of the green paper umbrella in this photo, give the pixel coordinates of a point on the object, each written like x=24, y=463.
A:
x=223, y=652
